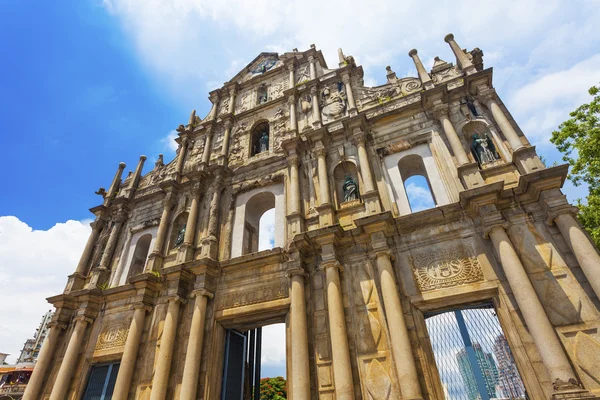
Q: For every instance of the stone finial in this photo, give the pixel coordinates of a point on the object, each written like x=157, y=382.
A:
x=312, y=46
x=112, y=190
x=391, y=75
x=423, y=75
x=160, y=162
x=448, y=38
x=295, y=50
x=463, y=61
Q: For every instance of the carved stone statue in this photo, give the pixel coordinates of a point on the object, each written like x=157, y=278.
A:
x=483, y=149
x=333, y=105
x=306, y=107
x=263, y=142
x=180, y=235
x=350, y=188
x=468, y=108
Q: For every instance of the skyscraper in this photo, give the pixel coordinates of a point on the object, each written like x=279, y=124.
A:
x=488, y=368
x=508, y=375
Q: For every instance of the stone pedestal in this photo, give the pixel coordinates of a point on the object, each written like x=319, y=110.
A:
x=470, y=175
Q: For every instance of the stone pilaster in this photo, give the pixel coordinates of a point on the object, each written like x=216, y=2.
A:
x=461, y=58
x=315, y=107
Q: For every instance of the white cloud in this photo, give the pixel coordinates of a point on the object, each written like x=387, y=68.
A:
x=34, y=265
x=273, y=345
x=266, y=230
x=418, y=194
x=169, y=142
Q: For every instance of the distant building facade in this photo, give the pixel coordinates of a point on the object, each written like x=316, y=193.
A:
x=488, y=369
x=171, y=280
x=31, y=348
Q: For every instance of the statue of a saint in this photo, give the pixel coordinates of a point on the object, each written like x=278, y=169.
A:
x=180, y=235
x=263, y=142
x=483, y=149
x=350, y=188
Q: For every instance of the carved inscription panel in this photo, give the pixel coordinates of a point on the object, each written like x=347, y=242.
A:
x=252, y=296
x=113, y=334
x=445, y=267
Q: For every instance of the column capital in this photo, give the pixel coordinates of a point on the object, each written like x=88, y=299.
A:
x=441, y=111
x=346, y=78
x=292, y=99
x=313, y=90
x=176, y=298
x=57, y=324
x=320, y=151
x=311, y=59
x=227, y=124
x=492, y=221
x=293, y=160
x=202, y=292
x=555, y=212
x=98, y=224
x=487, y=95
x=83, y=318
x=331, y=264
x=358, y=138
x=121, y=216
x=141, y=306
x=290, y=66
x=297, y=271
x=170, y=198
x=379, y=253
x=196, y=188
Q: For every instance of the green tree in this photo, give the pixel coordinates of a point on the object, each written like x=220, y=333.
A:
x=273, y=389
x=578, y=138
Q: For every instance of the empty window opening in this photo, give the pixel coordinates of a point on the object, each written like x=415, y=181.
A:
x=140, y=254
x=101, y=382
x=259, y=225
x=418, y=193
x=260, y=138
x=472, y=355
x=254, y=360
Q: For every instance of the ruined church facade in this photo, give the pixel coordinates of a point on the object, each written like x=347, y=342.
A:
x=172, y=275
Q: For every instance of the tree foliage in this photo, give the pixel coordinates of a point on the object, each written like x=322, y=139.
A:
x=273, y=389
x=578, y=138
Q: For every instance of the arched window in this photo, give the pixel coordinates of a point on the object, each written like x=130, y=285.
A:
x=346, y=180
x=262, y=95
x=178, y=230
x=140, y=254
x=260, y=138
x=416, y=183
x=256, y=207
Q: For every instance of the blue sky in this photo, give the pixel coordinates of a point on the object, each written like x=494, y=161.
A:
x=86, y=84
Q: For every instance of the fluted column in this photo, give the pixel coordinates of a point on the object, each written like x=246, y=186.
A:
x=193, y=356
x=423, y=75
x=349, y=93
x=155, y=258
x=441, y=114
x=32, y=391
x=538, y=324
x=463, y=61
x=315, y=105
x=182, y=153
x=300, y=364
x=97, y=226
x=503, y=123
x=400, y=341
x=207, y=146
x=69, y=362
x=293, y=117
x=114, y=186
x=323, y=178
x=585, y=252
x=340, y=351
x=165, y=352
x=130, y=352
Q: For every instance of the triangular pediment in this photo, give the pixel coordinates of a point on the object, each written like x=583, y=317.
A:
x=262, y=63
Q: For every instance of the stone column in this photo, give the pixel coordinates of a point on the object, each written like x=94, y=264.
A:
x=165, y=353
x=181, y=158
x=231, y=100
x=97, y=226
x=585, y=252
x=315, y=106
x=340, y=351
x=112, y=240
x=209, y=248
x=313, y=70
x=300, y=365
x=363, y=160
x=441, y=114
x=186, y=250
x=226, y=137
x=130, y=352
x=294, y=185
x=323, y=178
x=351, y=103
x=69, y=362
x=423, y=75
x=32, y=391
x=538, y=324
x=291, y=67
x=503, y=123
x=191, y=369
x=463, y=61
x=207, y=147
x=293, y=118
x=400, y=341
x=214, y=99
x=155, y=258
x=115, y=184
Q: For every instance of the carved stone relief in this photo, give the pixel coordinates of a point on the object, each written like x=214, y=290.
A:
x=378, y=382
x=587, y=356
x=113, y=334
x=246, y=101
x=224, y=106
x=333, y=102
x=256, y=295
x=445, y=267
x=277, y=88
x=236, y=149
x=303, y=74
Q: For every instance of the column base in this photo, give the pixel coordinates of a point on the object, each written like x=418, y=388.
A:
x=371, y=200
x=325, y=215
x=295, y=224
x=185, y=253
x=209, y=247
x=527, y=160
x=470, y=175
x=76, y=282
x=99, y=278
x=154, y=262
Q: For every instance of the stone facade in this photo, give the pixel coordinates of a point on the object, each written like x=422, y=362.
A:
x=172, y=263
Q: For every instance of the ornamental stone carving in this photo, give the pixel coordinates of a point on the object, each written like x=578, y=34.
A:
x=113, y=334
x=438, y=269
x=256, y=295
